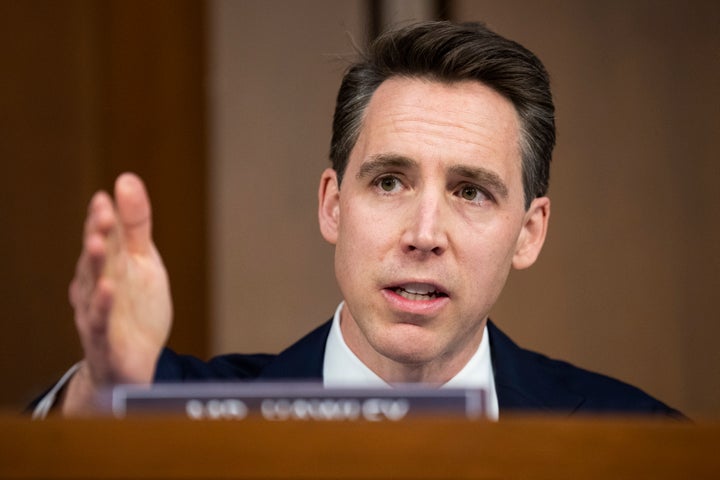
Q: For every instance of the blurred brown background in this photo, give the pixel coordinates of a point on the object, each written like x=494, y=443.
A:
x=224, y=108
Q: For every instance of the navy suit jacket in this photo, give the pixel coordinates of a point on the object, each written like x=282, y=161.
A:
x=524, y=380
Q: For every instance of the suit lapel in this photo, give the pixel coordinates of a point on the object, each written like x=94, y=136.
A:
x=301, y=361
x=523, y=381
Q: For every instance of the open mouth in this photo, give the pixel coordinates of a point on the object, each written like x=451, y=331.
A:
x=418, y=292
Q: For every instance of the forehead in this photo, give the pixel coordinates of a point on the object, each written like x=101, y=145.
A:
x=462, y=122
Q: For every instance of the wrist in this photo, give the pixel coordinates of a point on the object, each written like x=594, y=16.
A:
x=81, y=397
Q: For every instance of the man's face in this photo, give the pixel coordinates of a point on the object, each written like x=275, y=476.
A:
x=427, y=224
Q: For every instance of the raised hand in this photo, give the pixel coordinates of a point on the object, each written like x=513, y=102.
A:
x=120, y=294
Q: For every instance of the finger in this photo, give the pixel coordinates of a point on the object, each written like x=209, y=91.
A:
x=88, y=272
x=101, y=214
x=99, y=224
x=100, y=307
x=92, y=300
x=134, y=213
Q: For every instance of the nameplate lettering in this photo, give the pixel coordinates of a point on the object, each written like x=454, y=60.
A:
x=295, y=402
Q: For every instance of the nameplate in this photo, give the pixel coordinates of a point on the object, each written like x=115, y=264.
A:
x=293, y=401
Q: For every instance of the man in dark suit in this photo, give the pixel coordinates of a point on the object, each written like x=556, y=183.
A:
x=442, y=140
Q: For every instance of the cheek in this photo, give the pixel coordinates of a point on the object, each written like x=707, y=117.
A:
x=354, y=244
x=488, y=257
x=366, y=231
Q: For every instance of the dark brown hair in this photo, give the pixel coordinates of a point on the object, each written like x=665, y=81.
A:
x=449, y=52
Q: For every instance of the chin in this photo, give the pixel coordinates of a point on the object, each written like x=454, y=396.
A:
x=409, y=349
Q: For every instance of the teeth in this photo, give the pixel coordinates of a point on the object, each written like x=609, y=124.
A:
x=414, y=296
x=419, y=288
x=417, y=292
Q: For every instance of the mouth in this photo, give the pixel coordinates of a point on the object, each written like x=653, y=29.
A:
x=418, y=291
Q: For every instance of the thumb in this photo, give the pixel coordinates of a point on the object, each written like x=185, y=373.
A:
x=134, y=212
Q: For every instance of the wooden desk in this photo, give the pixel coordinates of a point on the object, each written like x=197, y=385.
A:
x=165, y=448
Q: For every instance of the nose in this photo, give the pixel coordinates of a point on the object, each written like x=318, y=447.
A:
x=425, y=225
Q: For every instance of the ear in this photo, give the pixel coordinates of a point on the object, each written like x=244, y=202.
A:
x=532, y=236
x=329, y=205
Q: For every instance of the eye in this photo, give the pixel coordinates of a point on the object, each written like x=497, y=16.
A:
x=471, y=193
x=388, y=183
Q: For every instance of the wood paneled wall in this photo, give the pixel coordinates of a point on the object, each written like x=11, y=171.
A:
x=276, y=67
x=88, y=90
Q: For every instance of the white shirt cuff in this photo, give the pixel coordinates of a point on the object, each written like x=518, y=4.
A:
x=48, y=401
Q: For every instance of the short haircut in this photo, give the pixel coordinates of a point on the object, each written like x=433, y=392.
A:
x=448, y=52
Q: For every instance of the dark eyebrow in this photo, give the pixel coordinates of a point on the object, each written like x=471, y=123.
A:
x=482, y=177
x=382, y=162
